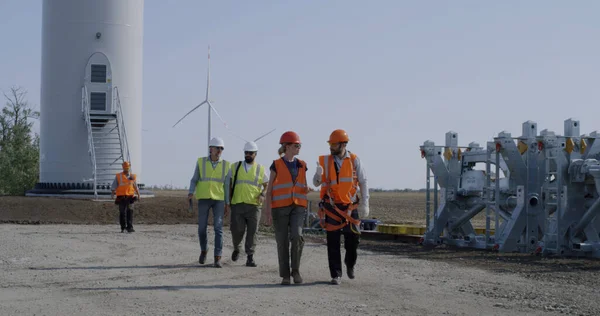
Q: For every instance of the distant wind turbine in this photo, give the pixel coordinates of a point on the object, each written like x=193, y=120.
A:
x=211, y=107
x=206, y=101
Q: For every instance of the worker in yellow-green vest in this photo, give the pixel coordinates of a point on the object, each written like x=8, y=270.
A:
x=248, y=187
x=208, y=186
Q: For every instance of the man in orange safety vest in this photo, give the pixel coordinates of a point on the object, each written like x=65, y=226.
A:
x=340, y=176
x=126, y=189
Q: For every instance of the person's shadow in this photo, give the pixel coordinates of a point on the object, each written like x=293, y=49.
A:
x=201, y=287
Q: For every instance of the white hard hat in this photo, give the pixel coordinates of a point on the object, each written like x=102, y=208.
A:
x=216, y=142
x=250, y=146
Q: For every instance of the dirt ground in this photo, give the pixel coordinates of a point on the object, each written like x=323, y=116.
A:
x=171, y=207
x=95, y=270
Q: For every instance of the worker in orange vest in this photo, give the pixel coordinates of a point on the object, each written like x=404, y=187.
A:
x=285, y=205
x=126, y=189
x=340, y=176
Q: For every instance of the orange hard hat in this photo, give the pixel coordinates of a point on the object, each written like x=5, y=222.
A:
x=289, y=137
x=126, y=165
x=338, y=136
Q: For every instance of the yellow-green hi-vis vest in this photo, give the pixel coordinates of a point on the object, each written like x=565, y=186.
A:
x=212, y=180
x=248, y=185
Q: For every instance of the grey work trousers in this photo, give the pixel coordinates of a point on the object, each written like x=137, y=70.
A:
x=288, y=222
x=244, y=216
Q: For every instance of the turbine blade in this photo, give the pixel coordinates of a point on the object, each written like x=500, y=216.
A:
x=219, y=116
x=236, y=135
x=225, y=123
x=188, y=113
x=265, y=135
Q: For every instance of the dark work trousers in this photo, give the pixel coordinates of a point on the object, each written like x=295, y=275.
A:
x=351, y=241
x=126, y=208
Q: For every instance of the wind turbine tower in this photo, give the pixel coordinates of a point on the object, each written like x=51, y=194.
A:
x=91, y=96
x=210, y=106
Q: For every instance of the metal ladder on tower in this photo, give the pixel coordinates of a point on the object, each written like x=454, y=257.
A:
x=107, y=141
x=552, y=236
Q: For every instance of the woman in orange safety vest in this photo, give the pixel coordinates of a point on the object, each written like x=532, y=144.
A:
x=286, y=204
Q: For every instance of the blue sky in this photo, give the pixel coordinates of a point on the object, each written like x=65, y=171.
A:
x=392, y=73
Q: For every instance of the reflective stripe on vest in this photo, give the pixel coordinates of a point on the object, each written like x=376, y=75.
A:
x=253, y=182
x=285, y=192
x=344, y=188
x=211, y=181
x=204, y=177
x=247, y=190
x=334, y=181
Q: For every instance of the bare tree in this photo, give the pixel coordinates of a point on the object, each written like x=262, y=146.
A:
x=14, y=119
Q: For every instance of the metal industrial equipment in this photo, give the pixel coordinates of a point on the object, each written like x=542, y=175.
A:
x=571, y=192
x=547, y=201
x=525, y=227
x=461, y=193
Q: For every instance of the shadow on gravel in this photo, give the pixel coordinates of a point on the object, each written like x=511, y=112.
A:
x=201, y=287
x=175, y=266
x=490, y=260
x=62, y=232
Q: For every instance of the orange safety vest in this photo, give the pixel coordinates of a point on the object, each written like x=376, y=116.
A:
x=125, y=187
x=338, y=187
x=285, y=192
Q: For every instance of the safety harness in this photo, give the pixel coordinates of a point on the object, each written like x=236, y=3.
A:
x=343, y=217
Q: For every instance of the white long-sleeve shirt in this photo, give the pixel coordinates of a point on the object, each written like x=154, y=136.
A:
x=360, y=173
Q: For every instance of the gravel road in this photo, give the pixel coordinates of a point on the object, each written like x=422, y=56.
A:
x=96, y=270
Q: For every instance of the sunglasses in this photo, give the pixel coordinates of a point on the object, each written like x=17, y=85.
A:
x=219, y=148
x=297, y=145
x=249, y=153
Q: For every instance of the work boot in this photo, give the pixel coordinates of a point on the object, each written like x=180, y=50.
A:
x=202, y=258
x=286, y=281
x=350, y=272
x=218, y=262
x=297, y=277
x=122, y=230
x=234, y=255
x=336, y=281
x=130, y=230
x=250, y=262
